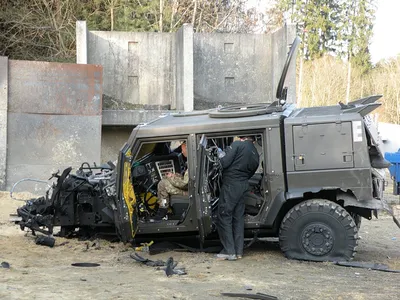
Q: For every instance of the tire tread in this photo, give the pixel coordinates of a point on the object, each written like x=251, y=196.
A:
x=323, y=206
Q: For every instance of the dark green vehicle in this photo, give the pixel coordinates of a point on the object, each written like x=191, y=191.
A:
x=321, y=171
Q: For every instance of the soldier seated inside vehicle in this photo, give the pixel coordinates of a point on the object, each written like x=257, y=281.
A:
x=171, y=184
x=159, y=173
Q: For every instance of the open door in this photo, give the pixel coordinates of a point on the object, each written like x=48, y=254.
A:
x=203, y=205
x=126, y=213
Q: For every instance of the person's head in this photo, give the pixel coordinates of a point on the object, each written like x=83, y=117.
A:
x=247, y=138
x=184, y=149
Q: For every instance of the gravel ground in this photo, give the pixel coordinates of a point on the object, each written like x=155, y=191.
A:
x=39, y=272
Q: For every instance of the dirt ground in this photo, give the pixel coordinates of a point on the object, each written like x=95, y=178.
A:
x=40, y=272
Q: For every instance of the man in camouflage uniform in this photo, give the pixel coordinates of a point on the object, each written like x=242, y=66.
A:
x=173, y=184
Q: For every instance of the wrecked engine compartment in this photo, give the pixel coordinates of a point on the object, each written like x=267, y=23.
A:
x=86, y=203
x=85, y=199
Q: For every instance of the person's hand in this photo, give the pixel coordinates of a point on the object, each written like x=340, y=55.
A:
x=169, y=175
x=221, y=153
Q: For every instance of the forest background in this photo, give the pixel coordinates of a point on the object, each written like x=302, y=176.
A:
x=334, y=62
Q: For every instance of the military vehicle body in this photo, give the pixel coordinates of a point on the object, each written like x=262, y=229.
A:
x=321, y=171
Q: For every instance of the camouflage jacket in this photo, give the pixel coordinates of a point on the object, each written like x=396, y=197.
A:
x=179, y=181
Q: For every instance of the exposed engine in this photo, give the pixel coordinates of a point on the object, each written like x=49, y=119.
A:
x=84, y=200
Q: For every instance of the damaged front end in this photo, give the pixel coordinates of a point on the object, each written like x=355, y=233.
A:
x=85, y=200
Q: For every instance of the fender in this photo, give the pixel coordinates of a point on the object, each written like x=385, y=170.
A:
x=350, y=200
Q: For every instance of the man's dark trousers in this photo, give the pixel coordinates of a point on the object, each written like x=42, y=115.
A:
x=231, y=216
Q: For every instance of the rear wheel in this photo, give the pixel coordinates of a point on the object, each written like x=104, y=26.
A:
x=318, y=230
x=357, y=219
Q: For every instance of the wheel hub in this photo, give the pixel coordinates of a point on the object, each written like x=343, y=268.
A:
x=317, y=239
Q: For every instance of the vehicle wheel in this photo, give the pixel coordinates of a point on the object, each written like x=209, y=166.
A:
x=357, y=219
x=318, y=230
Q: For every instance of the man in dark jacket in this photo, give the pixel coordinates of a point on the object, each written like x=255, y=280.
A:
x=239, y=165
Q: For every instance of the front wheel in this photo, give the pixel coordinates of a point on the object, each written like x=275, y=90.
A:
x=318, y=230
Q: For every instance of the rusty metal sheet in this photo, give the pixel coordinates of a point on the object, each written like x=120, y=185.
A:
x=55, y=88
x=54, y=117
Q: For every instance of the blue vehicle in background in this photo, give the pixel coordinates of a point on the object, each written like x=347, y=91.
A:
x=394, y=169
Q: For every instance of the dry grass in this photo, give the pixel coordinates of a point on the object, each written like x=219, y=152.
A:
x=325, y=83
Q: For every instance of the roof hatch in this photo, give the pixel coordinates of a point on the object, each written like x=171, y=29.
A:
x=281, y=92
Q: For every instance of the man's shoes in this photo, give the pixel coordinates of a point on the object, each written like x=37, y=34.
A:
x=161, y=214
x=239, y=256
x=222, y=256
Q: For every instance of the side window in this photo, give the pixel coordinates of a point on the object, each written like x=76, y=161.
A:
x=153, y=161
x=213, y=173
x=157, y=159
x=223, y=142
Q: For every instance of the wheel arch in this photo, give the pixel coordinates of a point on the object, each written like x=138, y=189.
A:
x=295, y=197
x=345, y=198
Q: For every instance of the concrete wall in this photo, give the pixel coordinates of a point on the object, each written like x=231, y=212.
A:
x=139, y=67
x=186, y=70
x=54, y=117
x=3, y=119
x=239, y=68
x=112, y=139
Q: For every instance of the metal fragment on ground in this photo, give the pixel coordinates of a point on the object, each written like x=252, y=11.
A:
x=84, y=264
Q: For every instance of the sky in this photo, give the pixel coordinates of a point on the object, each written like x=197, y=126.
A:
x=385, y=42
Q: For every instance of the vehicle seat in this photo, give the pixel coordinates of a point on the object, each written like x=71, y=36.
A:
x=164, y=164
x=179, y=204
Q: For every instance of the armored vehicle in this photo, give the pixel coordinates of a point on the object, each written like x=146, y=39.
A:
x=321, y=171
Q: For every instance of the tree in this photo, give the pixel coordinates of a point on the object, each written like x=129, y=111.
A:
x=339, y=27
x=169, y=15
x=45, y=29
x=38, y=29
x=316, y=23
x=357, y=33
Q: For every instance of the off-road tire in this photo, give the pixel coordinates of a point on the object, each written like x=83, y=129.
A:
x=318, y=230
x=357, y=219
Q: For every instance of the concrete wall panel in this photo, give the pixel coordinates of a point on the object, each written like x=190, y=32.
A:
x=3, y=119
x=81, y=42
x=184, y=69
x=113, y=138
x=130, y=117
x=139, y=67
x=281, y=42
x=169, y=70
x=231, y=68
x=238, y=68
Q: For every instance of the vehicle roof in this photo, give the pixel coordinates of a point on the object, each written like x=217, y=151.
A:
x=318, y=111
x=203, y=123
